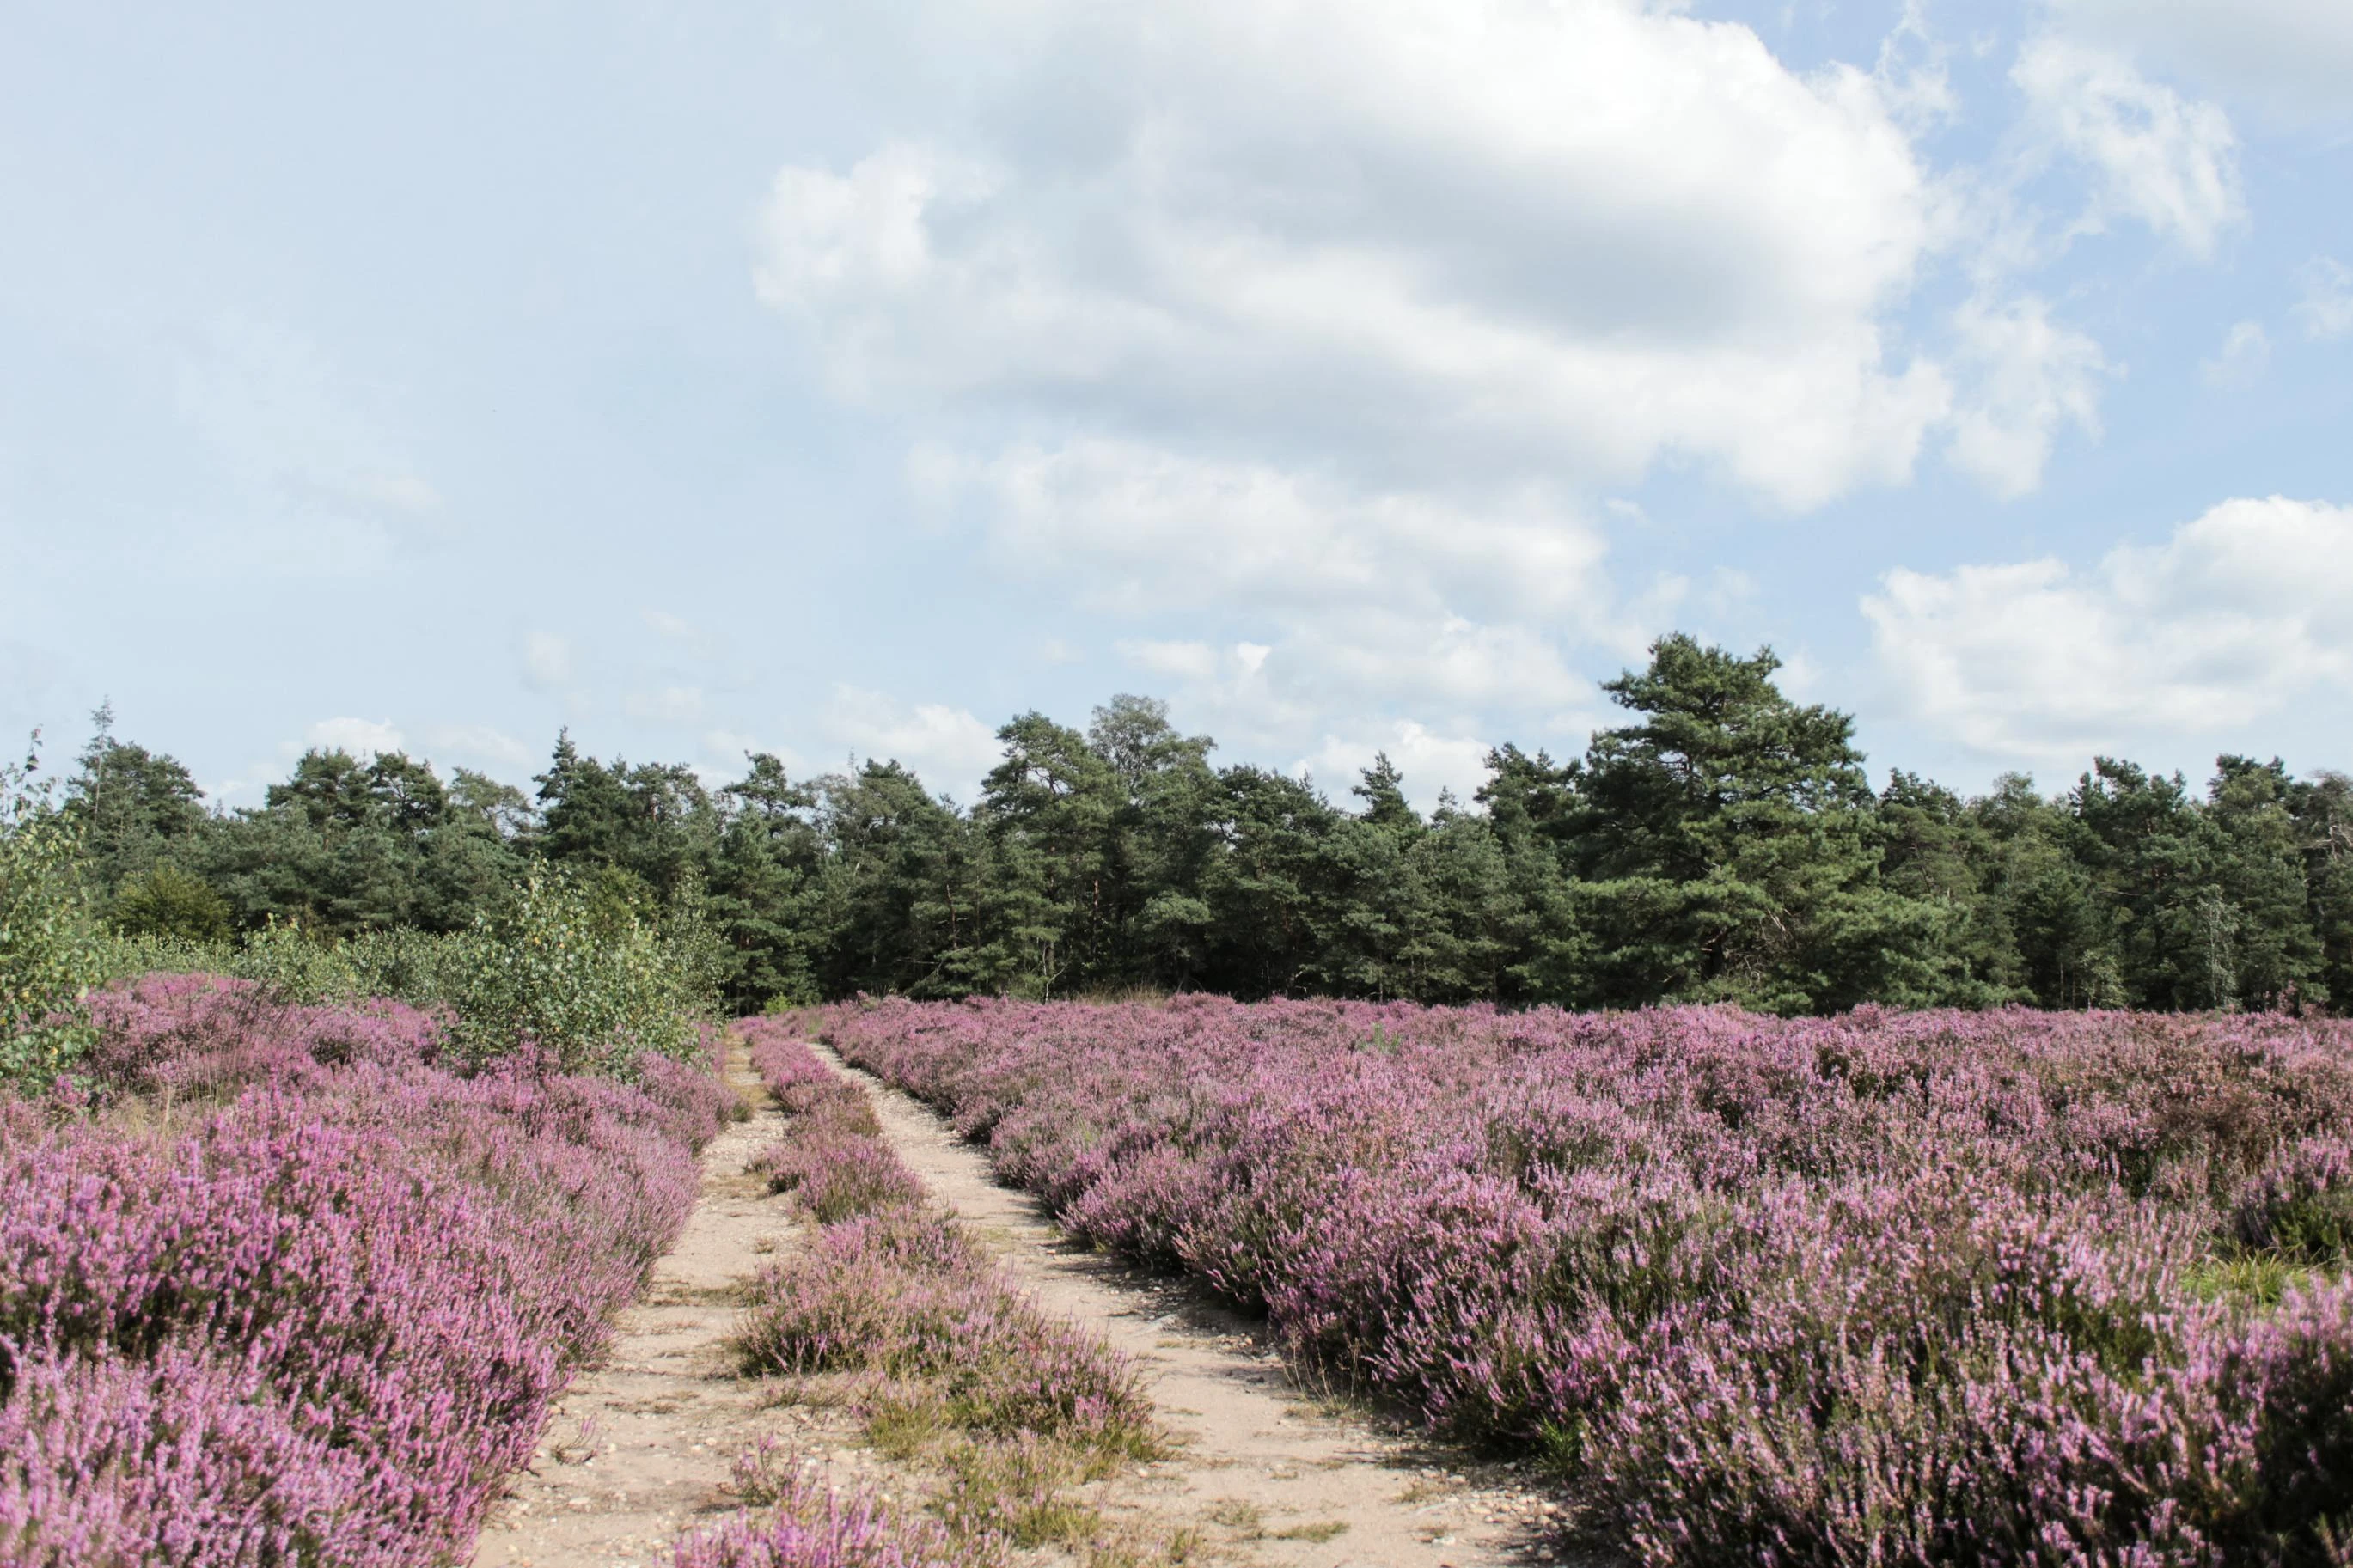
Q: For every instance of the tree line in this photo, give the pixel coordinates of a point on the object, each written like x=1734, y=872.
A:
x=1724, y=843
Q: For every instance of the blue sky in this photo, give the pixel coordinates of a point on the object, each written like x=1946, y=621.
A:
x=840, y=380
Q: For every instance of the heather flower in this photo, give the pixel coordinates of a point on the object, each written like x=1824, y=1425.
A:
x=1927, y=1287
x=894, y=1290
x=315, y=1313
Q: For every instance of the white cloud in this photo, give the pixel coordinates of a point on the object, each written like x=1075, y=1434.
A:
x=481, y=743
x=1152, y=529
x=1568, y=240
x=360, y=737
x=947, y=747
x=2246, y=349
x=1322, y=328
x=546, y=661
x=1380, y=600
x=1444, y=662
x=2163, y=160
x=1428, y=762
x=691, y=641
x=1184, y=660
x=2327, y=307
x=2033, y=377
x=1911, y=71
x=2236, y=616
x=2291, y=57
x=1800, y=675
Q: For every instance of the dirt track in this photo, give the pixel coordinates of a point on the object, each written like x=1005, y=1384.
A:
x=638, y=1449
x=641, y=1446
x=1265, y=1469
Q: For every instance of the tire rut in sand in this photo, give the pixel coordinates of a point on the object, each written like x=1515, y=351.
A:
x=640, y=1446
x=1272, y=1473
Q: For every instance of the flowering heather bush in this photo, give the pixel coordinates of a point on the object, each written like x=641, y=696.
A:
x=1890, y=1288
x=319, y=1320
x=835, y=1175
x=831, y=1158
x=889, y=1288
x=792, y=1072
x=879, y=1297
x=191, y=1034
x=810, y=1525
x=2301, y=1205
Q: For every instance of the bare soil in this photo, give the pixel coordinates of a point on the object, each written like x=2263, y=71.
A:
x=640, y=1446
x=1268, y=1471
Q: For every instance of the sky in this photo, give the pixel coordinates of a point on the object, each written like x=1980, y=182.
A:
x=841, y=378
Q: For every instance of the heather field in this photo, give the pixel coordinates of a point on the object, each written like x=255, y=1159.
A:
x=1949, y=1288
x=278, y=1286
x=286, y=1282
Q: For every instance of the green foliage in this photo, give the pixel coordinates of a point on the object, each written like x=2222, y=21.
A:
x=1731, y=842
x=133, y=807
x=292, y=965
x=166, y=901
x=52, y=952
x=414, y=965
x=1722, y=844
x=128, y=956
x=555, y=970
x=691, y=945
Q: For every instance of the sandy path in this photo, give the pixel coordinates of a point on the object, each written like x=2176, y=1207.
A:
x=637, y=1448
x=1263, y=1468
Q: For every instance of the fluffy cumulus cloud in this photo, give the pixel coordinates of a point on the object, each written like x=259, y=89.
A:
x=948, y=748
x=2034, y=378
x=1304, y=338
x=360, y=737
x=2291, y=57
x=1580, y=236
x=2326, y=308
x=1330, y=319
x=1371, y=597
x=1429, y=762
x=2236, y=616
x=2158, y=158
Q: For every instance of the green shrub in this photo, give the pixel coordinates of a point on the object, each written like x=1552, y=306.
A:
x=52, y=952
x=131, y=956
x=557, y=971
x=418, y=966
x=293, y=967
x=566, y=965
x=168, y=903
